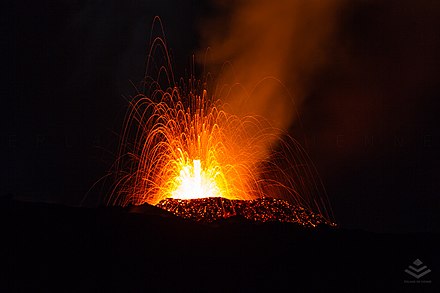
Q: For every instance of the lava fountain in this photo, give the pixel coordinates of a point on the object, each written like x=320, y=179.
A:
x=186, y=148
x=179, y=145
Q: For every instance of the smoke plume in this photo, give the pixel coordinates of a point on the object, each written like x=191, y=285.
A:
x=268, y=51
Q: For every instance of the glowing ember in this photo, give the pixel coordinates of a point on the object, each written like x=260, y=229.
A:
x=209, y=210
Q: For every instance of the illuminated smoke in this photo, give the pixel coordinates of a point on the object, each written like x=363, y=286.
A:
x=269, y=44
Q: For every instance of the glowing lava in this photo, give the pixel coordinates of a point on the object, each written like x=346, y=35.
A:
x=180, y=142
x=183, y=146
x=194, y=182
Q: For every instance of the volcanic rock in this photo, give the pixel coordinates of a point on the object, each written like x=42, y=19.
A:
x=212, y=209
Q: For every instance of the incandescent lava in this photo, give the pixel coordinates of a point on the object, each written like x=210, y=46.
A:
x=211, y=209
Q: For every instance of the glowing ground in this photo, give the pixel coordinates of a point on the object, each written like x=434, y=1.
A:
x=259, y=210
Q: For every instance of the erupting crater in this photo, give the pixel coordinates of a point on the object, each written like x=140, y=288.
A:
x=185, y=151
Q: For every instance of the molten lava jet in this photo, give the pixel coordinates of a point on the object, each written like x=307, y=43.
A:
x=193, y=182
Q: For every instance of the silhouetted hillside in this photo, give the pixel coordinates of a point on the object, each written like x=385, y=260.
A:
x=59, y=248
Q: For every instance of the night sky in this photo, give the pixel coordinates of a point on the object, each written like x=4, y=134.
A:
x=369, y=121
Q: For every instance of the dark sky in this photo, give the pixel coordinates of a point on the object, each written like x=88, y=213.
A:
x=370, y=121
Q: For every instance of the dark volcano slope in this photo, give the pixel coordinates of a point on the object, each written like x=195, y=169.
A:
x=58, y=248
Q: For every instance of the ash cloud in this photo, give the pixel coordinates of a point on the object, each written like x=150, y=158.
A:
x=261, y=46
